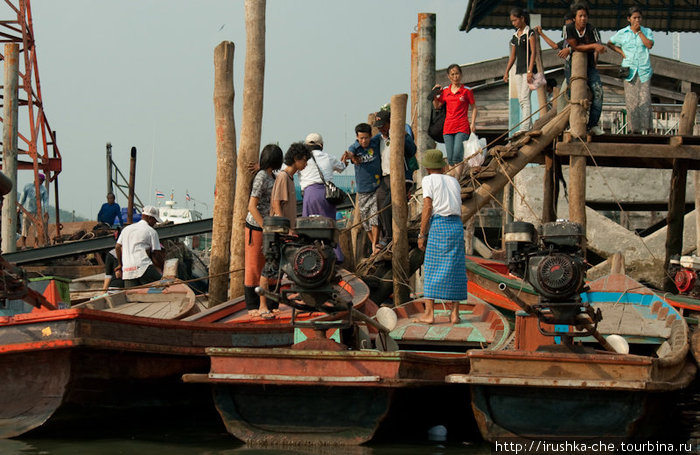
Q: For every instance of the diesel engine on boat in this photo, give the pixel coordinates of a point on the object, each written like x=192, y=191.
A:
x=552, y=262
x=684, y=271
x=307, y=257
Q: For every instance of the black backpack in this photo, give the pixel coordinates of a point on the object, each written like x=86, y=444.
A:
x=437, y=123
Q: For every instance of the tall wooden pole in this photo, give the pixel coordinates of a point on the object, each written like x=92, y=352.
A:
x=399, y=206
x=9, y=147
x=414, y=82
x=132, y=184
x=108, y=152
x=577, y=121
x=676, y=200
x=425, y=82
x=225, y=172
x=251, y=125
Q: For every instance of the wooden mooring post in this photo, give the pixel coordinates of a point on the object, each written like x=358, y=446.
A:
x=225, y=172
x=399, y=207
x=425, y=48
x=676, y=200
x=9, y=146
x=132, y=185
x=577, y=123
x=251, y=126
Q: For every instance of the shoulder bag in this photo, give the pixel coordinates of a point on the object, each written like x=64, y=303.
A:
x=538, y=79
x=334, y=195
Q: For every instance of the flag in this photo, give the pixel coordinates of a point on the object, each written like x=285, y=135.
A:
x=159, y=194
x=187, y=196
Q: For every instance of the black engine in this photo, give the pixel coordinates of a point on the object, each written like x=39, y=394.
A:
x=308, y=259
x=552, y=262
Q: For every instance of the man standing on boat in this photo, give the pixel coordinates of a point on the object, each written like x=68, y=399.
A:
x=29, y=197
x=442, y=238
x=138, y=250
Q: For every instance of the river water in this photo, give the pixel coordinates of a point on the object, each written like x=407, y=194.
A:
x=218, y=444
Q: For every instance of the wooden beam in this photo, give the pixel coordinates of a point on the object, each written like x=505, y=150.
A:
x=577, y=122
x=225, y=172
x=399, y=207
x=676, y=200
x=688, y=152
x=251, y=126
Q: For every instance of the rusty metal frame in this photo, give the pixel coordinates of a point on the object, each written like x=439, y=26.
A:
x=39, y=139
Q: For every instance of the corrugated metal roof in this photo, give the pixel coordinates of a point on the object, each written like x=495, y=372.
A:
x=659, y=15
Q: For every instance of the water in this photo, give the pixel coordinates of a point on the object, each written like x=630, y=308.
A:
x=216, y=444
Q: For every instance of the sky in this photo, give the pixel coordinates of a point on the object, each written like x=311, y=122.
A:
x=140, y=73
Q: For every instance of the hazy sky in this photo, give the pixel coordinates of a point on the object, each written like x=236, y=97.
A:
x=140, y=73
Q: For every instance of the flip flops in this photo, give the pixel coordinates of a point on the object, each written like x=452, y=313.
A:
x=267, y=315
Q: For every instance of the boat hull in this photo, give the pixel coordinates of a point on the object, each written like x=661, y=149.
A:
x=297, y=397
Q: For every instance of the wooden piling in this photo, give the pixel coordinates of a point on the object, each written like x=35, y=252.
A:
x=9, y=149
x=676, y=200
x=110, y=179
x=426, y=80
x=414, y=81
x=225, y=172
x=399, y=207
x=132, y=184
x=577, y=122
x=251, y=125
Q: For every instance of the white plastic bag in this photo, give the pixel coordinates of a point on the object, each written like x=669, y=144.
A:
x=475, y=150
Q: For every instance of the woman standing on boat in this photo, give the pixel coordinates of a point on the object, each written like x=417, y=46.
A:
x=457, y=97
x=270, y=163
x=523, y=51
x=442, y=238
x=633, y=43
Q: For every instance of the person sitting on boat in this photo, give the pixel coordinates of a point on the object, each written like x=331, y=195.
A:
x=442, y=238
x=110, y=212
x=270, y=163
x=29, y=197
x=138, y=250
x=113, y=273
x=284, y=203
x=313, y=189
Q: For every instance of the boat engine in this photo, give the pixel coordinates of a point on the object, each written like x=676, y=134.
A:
x=553, y=263
x=684, y=271
x=308, y=259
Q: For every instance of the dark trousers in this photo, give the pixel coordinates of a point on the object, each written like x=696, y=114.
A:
x=384, y=200
x=149, y=276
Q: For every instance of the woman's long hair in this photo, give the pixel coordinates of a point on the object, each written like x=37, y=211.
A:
x=520, y=12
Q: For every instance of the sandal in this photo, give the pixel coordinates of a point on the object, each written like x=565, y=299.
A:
x=253, y=313
x=267, y=315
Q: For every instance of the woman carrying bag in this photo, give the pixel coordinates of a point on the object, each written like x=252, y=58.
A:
x=457, y=98
x=523, y=53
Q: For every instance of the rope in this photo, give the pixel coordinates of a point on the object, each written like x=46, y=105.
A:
x=617, y=202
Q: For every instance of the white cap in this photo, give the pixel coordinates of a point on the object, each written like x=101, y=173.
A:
x=314, y=139
x=152, y=212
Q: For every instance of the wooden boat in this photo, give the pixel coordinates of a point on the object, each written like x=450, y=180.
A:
x=65, y=367
x=310, y=396
x=166, y=299
x=539, y=389
x=484, y=277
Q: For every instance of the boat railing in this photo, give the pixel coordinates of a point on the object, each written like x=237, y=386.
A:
x=665, y=118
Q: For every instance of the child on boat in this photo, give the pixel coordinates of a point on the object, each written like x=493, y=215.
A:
x=284, y=203
x=260, y=198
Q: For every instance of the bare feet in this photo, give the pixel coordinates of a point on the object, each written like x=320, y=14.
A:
x=454, y=314
x=253, y=313
x=424, y=319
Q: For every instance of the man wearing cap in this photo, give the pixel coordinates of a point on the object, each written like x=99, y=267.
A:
x=442, y=238
x=312, y=187
x=382, y=122
x=138, y=250
x=29, y=196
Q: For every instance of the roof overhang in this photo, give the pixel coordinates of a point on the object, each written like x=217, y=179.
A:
x=659, y=15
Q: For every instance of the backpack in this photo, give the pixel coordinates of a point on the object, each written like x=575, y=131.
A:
x=437, y=123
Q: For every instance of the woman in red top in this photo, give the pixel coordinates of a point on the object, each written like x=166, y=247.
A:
x=457, y=97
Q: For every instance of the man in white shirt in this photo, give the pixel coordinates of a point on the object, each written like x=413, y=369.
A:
x=312, y=187
x=442, y=238
x=138, y=250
